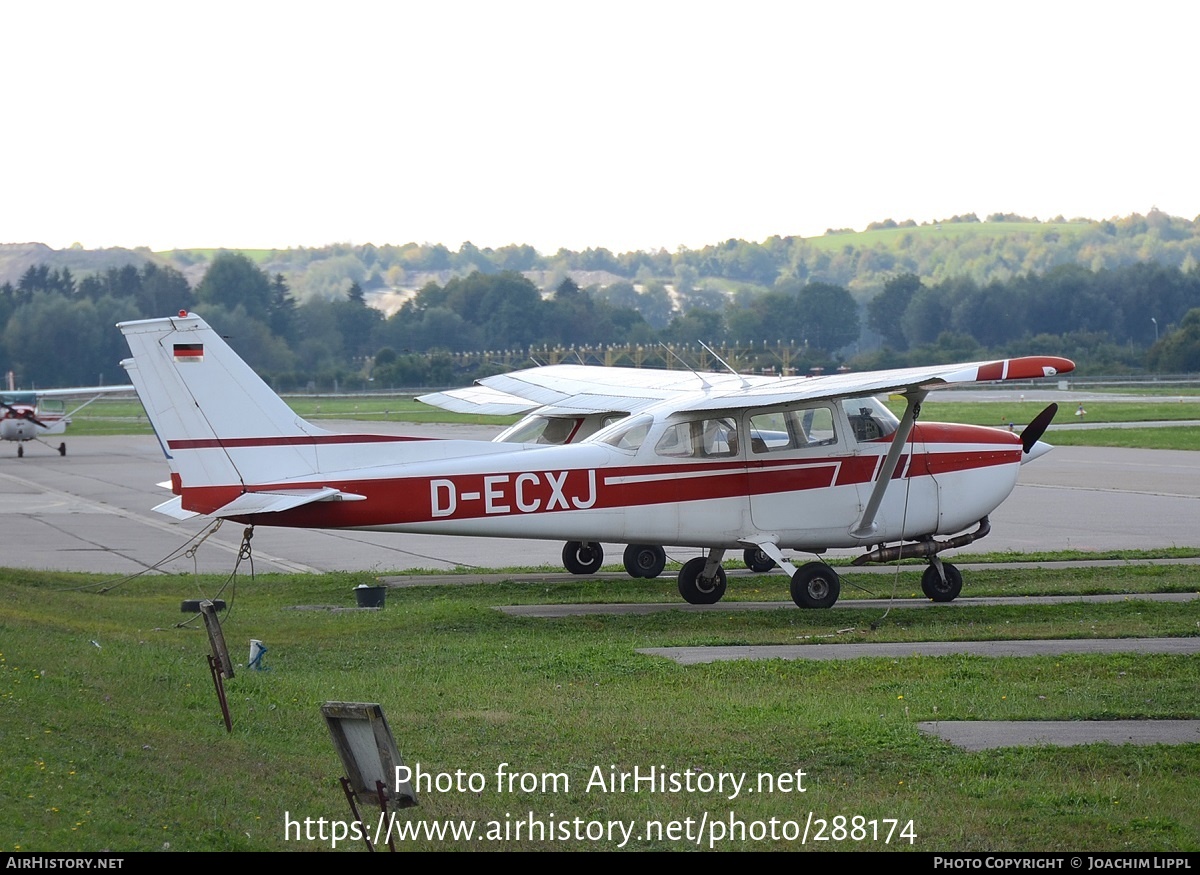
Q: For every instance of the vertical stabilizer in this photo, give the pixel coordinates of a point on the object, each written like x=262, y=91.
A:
x=208, y=407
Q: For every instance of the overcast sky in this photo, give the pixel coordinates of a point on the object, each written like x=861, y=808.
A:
x=627, y=125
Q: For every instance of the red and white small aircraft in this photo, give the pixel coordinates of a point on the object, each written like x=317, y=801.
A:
x=709, y=460
x=32, y=415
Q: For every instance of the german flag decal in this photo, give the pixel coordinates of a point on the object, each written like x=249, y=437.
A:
x=189, y=352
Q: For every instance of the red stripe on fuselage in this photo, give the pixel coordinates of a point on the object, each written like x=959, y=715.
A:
x=421, y=499
x=292, y=441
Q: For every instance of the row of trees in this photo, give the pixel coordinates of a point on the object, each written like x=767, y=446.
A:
x=57, y=329
x=1002, y=247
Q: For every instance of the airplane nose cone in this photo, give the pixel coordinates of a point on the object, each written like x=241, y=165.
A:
x=1039, y=449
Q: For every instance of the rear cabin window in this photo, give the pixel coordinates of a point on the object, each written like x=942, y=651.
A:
x=792, y=430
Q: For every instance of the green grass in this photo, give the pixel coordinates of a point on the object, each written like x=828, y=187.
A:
x=1000, y=413
x=956, y=231
x=1176, y=438
x=258, y=256
x=1187, y=392
x=113, y=739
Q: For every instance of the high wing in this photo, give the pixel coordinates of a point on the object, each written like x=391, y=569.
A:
x=91, y=393
x=905, y=380
x=580, y=389
x=594, y=389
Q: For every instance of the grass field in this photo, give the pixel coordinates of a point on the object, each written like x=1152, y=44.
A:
x=113, y=738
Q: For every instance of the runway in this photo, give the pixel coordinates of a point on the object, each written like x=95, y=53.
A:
x=92, y=511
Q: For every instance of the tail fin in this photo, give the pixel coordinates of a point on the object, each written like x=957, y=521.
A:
x=211, y=411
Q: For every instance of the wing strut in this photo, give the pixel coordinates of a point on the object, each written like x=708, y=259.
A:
x=866, y=527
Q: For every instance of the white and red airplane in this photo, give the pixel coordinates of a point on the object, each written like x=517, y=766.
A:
x=709, y=460
x=32, y=415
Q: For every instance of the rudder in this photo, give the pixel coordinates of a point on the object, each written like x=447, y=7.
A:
x=208, y=407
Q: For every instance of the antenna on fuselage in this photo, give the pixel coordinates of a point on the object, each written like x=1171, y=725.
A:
x=745, y=384
x=703, y=381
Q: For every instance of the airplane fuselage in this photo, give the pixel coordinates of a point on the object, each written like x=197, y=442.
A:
x=799, y=496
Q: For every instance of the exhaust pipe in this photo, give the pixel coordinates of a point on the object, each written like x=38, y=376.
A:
x=923, y=549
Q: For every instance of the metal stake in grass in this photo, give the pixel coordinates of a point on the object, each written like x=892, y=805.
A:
x=219, y=663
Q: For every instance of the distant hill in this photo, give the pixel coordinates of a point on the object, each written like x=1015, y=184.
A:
x=16, y=258
x=998, y=248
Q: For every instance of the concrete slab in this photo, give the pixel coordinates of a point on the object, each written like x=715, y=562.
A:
x=701, y=655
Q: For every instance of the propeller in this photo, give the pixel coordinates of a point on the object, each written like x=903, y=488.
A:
x=26, y=413
x=1037, y=427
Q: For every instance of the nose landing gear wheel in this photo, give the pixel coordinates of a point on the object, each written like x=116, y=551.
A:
x=942, y=590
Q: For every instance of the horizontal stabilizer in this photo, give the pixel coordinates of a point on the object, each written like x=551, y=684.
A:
x=261, y=502
x=174, y=508
x=278, y=500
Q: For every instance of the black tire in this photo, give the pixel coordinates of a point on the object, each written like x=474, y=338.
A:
x=643, y=560
x=581, y=558
x=942, y=590
x=816, y=585
x=758, y=561
x=20, y=451
x=62, y=449
x=695, y=589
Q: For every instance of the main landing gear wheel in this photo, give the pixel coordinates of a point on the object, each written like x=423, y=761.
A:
x=757, y=560
x=20, y=451
x=698, y=590
x=581, y=558
x=62, y=449
x=643, y=560
x=815, y=585
x=942, y=590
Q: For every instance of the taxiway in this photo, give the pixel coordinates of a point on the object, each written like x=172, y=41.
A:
x=92, y=511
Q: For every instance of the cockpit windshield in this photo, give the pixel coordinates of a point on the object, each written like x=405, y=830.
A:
x=537, y=429
x=627, y=434
x=869, y=418
x=541, y=428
